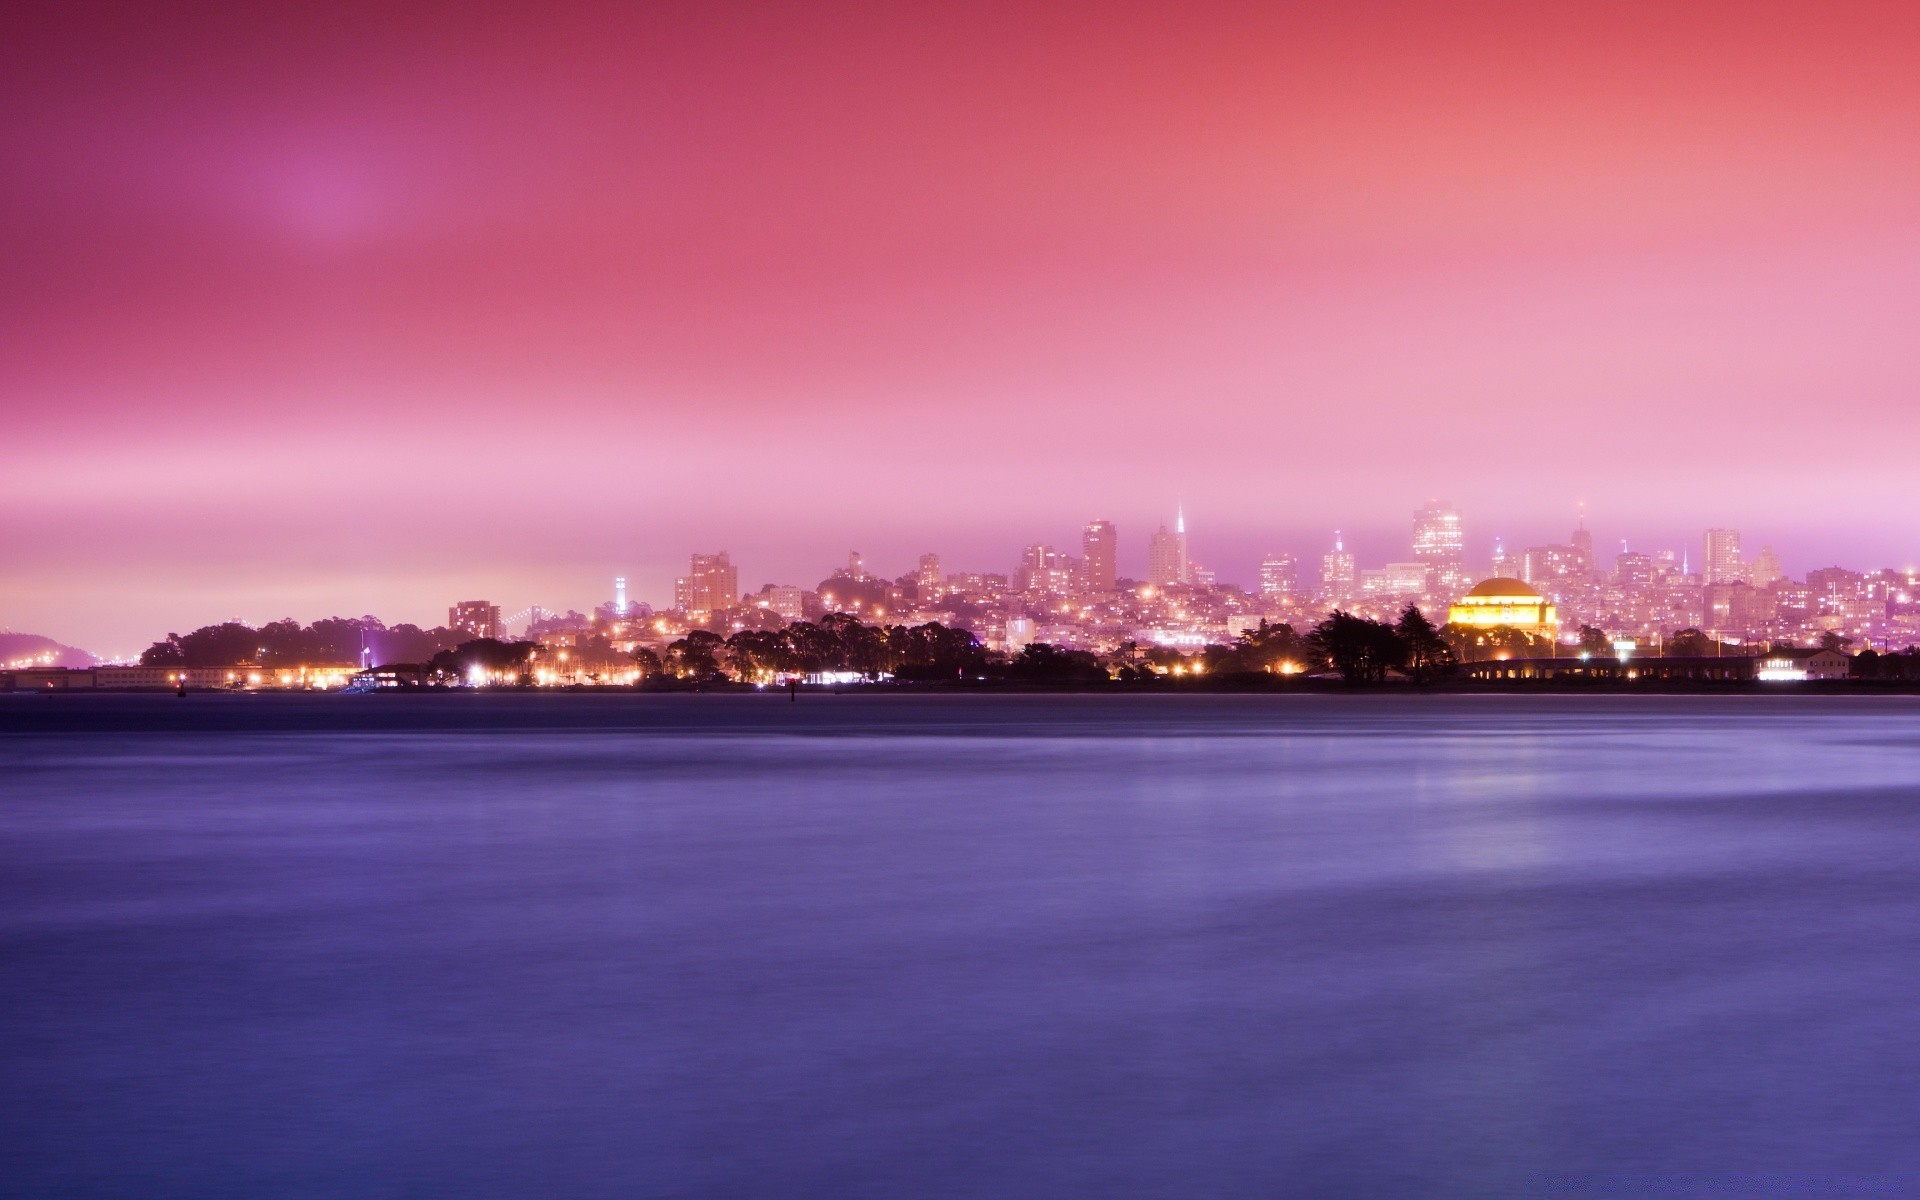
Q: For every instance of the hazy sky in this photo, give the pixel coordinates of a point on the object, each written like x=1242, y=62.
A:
x=336, y=308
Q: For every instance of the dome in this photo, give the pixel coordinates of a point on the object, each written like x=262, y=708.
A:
x=1504, y=587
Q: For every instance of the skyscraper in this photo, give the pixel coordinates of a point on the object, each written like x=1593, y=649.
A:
x=1582, y=543
x=1766, y=567
x=1721, y=563
x=619, y=595
x=1098, y=554
x=1279, y=577
x=929, y=580
x=712, y=584
x=1437, y=542
x=1167, y=561
x=1339, y=579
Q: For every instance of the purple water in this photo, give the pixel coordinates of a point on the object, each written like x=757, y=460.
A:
x=992, y=946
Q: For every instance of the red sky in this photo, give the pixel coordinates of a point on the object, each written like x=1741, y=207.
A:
x=332, y=308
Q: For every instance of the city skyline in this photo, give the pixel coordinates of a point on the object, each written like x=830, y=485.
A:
x=1629, y=590
x=308, y=322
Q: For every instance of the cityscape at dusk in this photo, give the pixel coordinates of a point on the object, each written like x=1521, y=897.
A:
x=1141, y=601
x=1631, y=602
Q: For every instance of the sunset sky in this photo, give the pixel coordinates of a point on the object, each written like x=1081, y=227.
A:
x=333, y=308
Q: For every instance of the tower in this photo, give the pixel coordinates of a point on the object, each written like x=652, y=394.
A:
x=1167, y=554
x=1338, y=576
x=619, y=595
x=1722, y=563
x=1098, y=546
x=1438, y=543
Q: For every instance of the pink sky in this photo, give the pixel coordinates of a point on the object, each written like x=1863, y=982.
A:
x=345, y=310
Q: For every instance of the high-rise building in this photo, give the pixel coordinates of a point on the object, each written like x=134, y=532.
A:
x=619, y=595
x=1167, y=561
x=1722, y=561
x=1503, y=567
x=1766, y=567
x=1582, y=543
x=1099, y=547
x=1633, y=570
x=1044, y=569
x=711, y=584
x=1339, y=578
x=931, y=583
x=1437, y=542
x=476, y=618
x=1538, y=564
x=1279, y=577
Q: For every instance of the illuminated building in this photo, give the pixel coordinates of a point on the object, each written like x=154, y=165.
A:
x=1279, y=577
x=711, y=584
x=1737, y=607
x=929, y=579
x=1167, y=554
x=1722, y=562
x=475, y=618
x=1398, y=581
x=1044, y=569
x=1581, y=543
x=1766, y=568
x=1542, y=563
x=1633, y=570
x=787, y=602
x=1339, y=578
x=1099, y=556
x=1508, y=602
x=620, y=595
x=1438, y=543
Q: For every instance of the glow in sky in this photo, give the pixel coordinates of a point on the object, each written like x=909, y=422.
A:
x=354, y=309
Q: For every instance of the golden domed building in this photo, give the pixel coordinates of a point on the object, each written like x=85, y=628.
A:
x=1508, y=602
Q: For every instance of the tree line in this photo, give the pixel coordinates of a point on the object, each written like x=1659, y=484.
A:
x=288, y=643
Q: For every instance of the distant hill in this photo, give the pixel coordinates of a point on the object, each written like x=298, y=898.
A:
x=32, y=650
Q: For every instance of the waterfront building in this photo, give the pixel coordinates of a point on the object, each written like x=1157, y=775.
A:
x=1512, y=603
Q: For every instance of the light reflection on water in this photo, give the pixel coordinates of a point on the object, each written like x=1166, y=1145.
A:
x=980, y=946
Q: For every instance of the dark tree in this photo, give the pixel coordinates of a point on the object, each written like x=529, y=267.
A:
x=1595, y=641
x=1044, y=663
x=1690, y=643
x=1425, y=652
x=1362, y=650
x=697, y=656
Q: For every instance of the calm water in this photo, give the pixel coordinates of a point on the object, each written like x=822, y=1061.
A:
x=484, y=946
